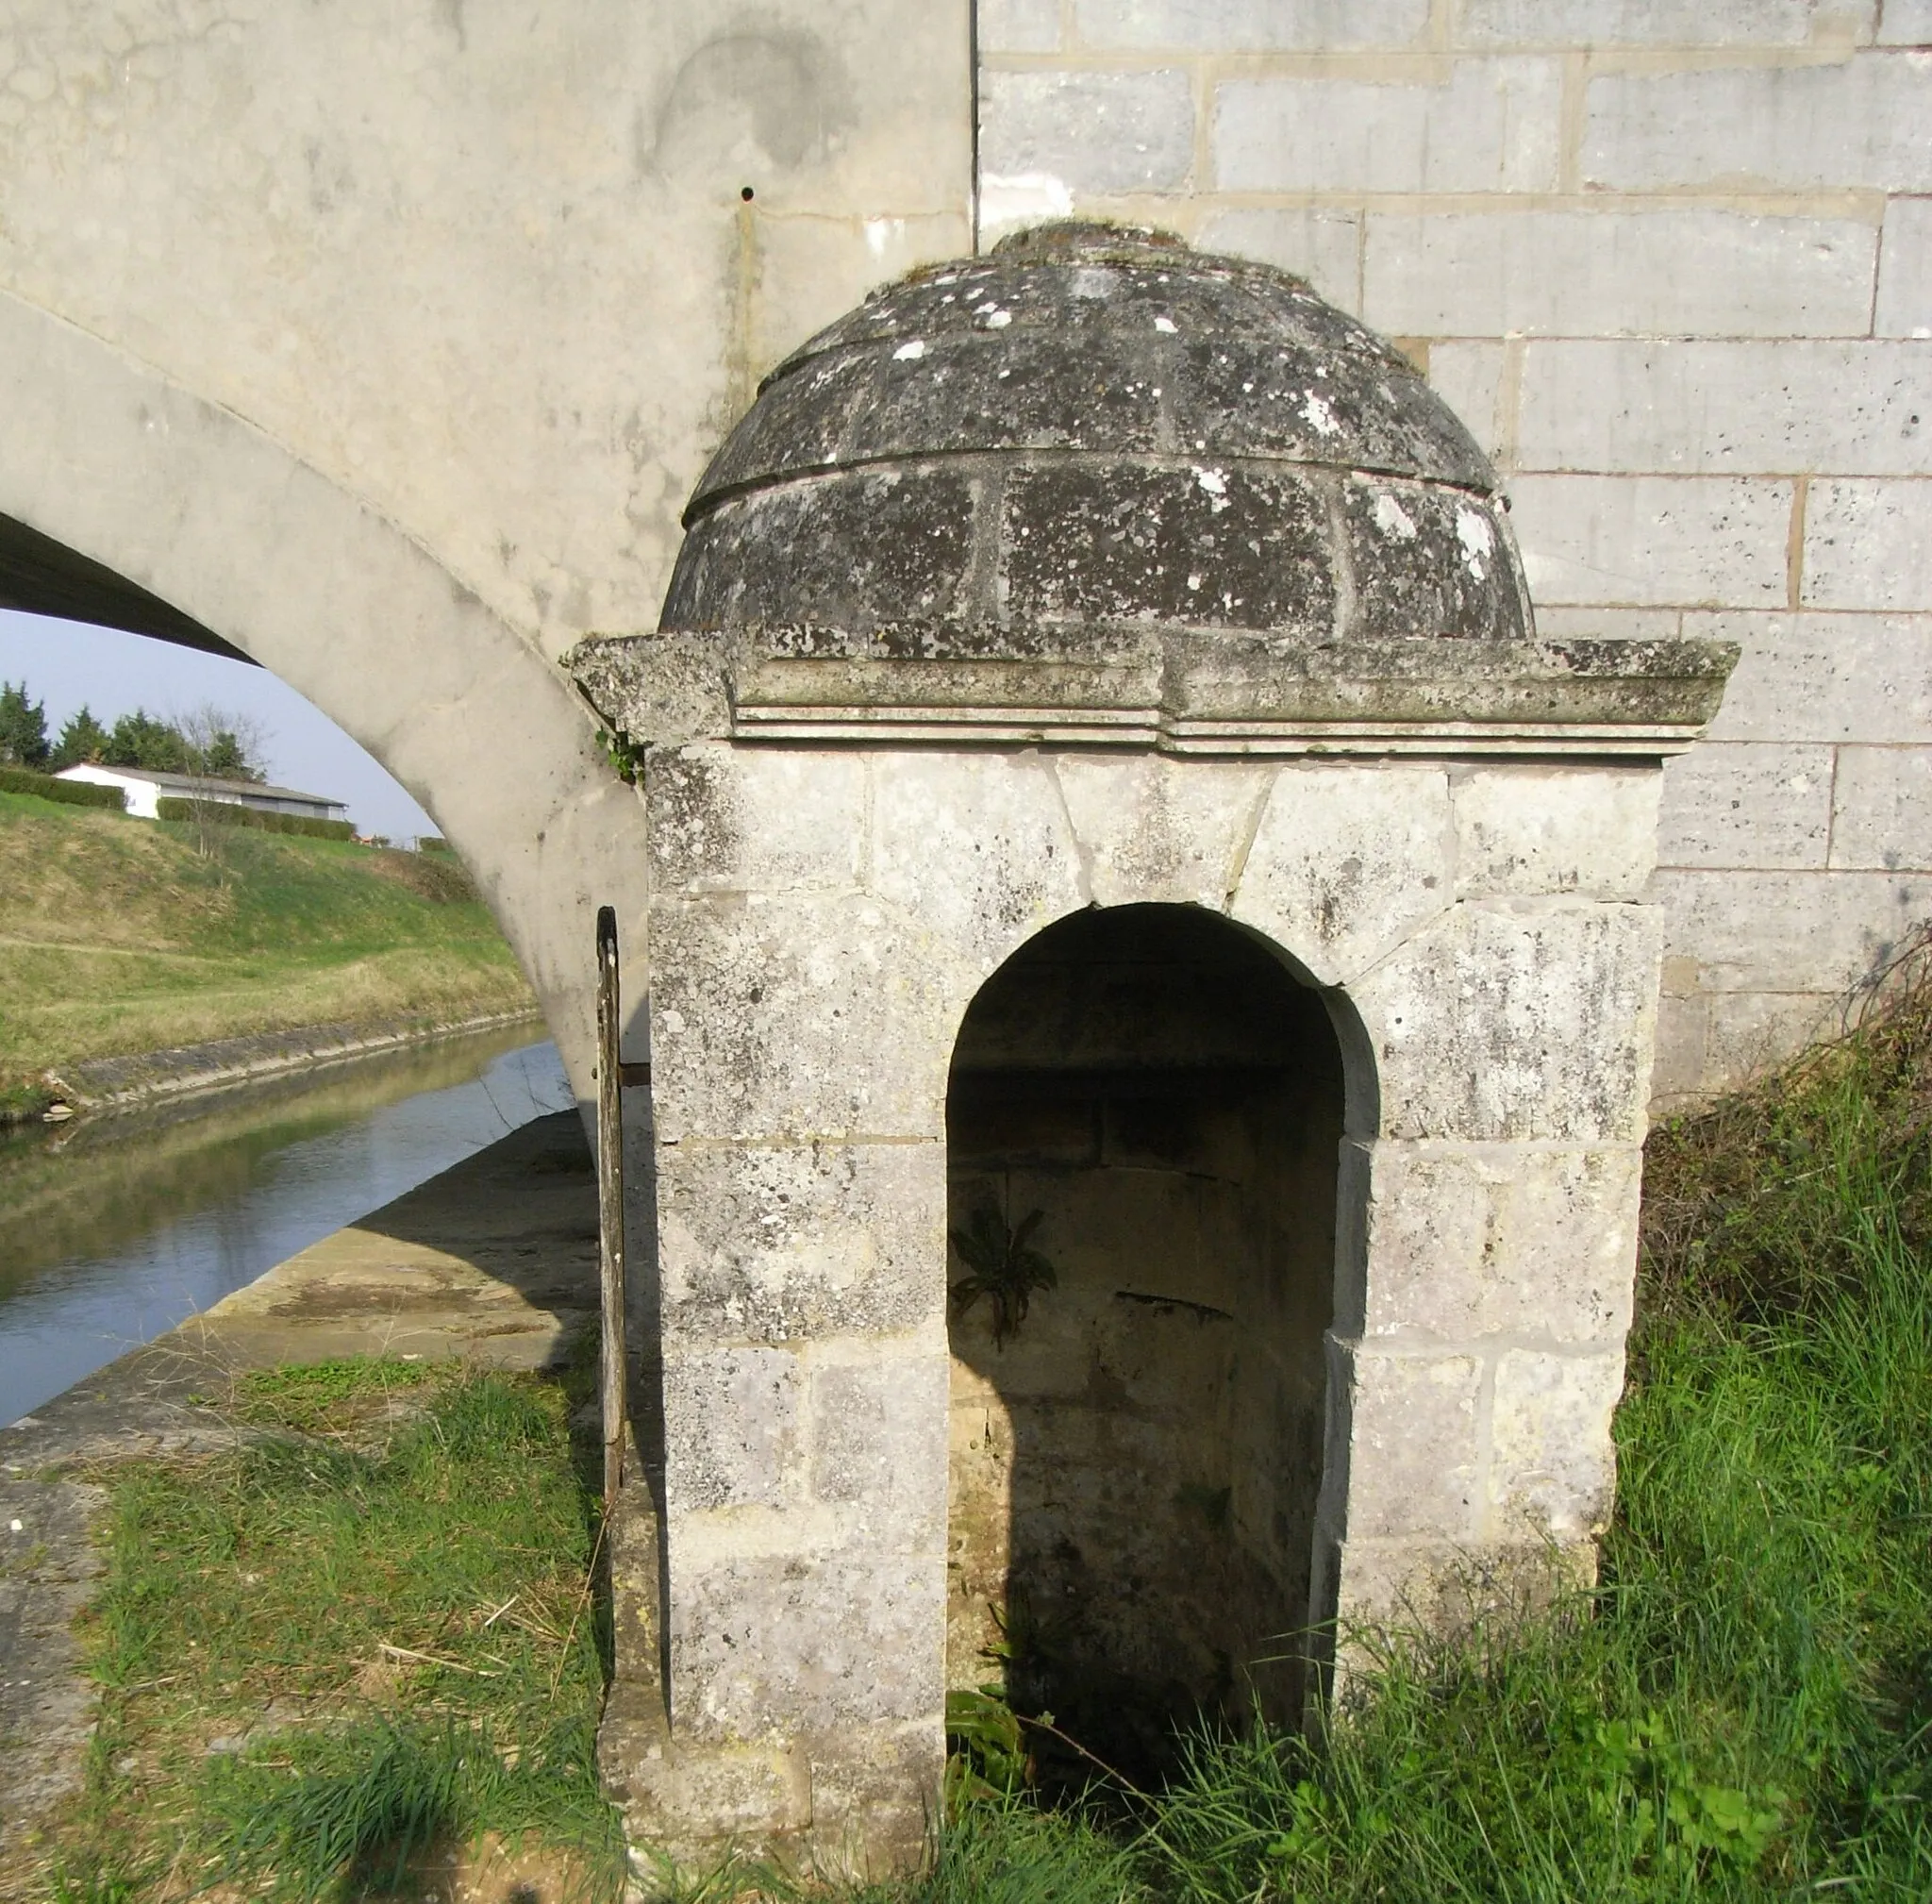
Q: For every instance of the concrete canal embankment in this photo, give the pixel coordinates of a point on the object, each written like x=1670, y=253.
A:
x=494, y=1261
x=105, y=1085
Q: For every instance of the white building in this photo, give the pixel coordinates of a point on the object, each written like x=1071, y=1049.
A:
x=146, y=787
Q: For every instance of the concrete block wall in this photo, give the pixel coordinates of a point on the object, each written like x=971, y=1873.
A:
x=1672, y=260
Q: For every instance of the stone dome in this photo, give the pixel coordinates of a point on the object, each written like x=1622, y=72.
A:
x=1097, y=425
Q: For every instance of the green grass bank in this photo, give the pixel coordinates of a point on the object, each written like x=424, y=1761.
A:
x=119, y=937
x=1741, y=1710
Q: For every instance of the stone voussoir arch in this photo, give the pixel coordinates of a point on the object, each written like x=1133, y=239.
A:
x=107, y=458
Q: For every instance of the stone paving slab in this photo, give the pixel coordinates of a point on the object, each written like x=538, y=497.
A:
x=493, y=1262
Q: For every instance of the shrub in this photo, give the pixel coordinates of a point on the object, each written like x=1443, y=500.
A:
x=69, y=793
x=227, y=814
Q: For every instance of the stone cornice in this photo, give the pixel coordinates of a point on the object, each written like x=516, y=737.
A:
x=1189, y=690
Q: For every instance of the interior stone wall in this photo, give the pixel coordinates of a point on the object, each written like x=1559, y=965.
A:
x=1134, y=1471
x=1671, y=262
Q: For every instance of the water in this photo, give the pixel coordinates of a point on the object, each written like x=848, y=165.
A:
x=113, y=1231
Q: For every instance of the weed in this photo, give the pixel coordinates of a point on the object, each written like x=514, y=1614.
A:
x=1003, y=1267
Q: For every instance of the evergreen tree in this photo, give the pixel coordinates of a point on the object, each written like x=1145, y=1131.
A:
x=143, y=740
x=82, y=739
x=227, y=758
x=22, y=727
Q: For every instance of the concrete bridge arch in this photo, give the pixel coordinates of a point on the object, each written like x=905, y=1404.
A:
x=191, y=525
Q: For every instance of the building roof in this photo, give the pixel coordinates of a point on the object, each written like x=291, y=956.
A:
x=205, y=784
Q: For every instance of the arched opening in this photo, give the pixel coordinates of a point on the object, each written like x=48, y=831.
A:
x=1145, y=1106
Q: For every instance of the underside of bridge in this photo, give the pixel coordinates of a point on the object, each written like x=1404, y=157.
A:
x=39, y=576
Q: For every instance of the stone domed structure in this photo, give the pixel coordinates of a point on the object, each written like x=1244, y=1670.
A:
x=1151, y=1004
x=1100, y=426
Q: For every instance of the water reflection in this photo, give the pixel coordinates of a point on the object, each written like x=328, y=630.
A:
x=115, y=1230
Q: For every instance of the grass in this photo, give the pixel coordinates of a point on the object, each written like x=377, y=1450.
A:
x=119, y=938
x=1742, y=1708
x=348, y=1651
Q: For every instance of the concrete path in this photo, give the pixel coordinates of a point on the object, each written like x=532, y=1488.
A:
x=495, y=1260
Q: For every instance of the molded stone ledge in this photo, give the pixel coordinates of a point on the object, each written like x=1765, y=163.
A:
x=1186, y=691
x=1457, y=1243
x=772, y=1243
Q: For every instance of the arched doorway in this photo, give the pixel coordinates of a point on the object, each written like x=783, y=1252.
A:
x=1142, y=1128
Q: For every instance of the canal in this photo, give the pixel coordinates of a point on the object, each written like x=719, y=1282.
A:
x=114, y=1229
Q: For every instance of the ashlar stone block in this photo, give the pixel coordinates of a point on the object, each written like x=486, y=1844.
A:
x=732, y=1427
x=798, y=1017
x=977, y=848
x=1882, y=809
x=1149, y=828
x=1636, y=22
x=879, y=1441
x=1701, y=407
x=1414, y=1468
x=1824, y=676
x=1866, y=120
x=774, y=1243
x=1740, y=804
x=1517, y=1019
x=1462, y=1242
x=768, y=819
x=1866, y=545
x=1320, y=245
x=1552, y=1462
x=793, y=1642
x=1241, y=27
x=1345, y=863
x=1555, y=829
x=1783, y=932
x=1617, y=272
x=1493, y=127
x=1905, y=265
x=1698, y=542
x=1095, y=134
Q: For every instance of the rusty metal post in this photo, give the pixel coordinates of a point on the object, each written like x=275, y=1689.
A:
x=610, y=1198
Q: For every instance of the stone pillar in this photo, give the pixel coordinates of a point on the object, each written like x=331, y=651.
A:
x=800, y=1044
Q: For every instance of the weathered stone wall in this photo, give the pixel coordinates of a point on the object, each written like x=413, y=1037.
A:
x=822, y=921
x=1673, y=263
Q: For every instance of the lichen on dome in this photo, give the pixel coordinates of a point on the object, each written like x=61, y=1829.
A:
x=1097, y=424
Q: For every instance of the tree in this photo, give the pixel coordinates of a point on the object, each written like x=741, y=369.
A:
x=22, y=727
x=222, y=744
x=216, y=746
x=143, y=740
x=82, y=739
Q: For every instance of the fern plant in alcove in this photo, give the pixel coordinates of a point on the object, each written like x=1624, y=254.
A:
x=1005, y=1269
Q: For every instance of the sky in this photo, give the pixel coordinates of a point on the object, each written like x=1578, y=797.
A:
x=66, y=664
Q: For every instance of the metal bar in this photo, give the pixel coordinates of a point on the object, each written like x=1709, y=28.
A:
x=611, y=1199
